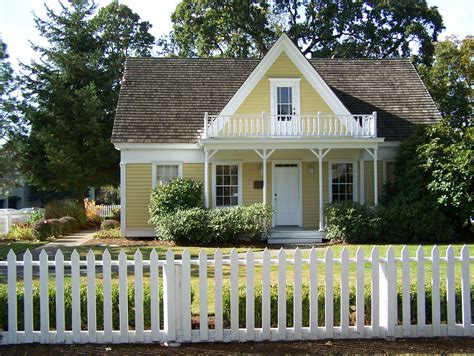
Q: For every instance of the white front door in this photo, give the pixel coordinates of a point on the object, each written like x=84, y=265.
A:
x=286, y=194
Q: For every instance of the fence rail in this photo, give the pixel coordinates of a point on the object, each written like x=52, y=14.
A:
x=9, y=218
x=107, y=211
x=168, y=303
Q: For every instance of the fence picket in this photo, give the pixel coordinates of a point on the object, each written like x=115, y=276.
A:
x=138, y=278
x=375, y=300
x=91, y=301
x=328, y=294
x=186, y=295
x=466, y=292
x=392, y=292
x=266, y=321
x=450, y=291
x=435, y=287
x=44, y=298
x=75, y=298
x=249, y=296
x=123, y=296
x=344, y=308
x=107, y=295
x=60, y=319
x=169, y=307
x=28, y=295
x=421, y=295
x=12, y=301
x=281, y=295
x=155, y=296
x=297, y=296
x=360, y=302
x=218, y=321
x=313, y=293
x=234, y=295
x=203, y=323
x=406, y=308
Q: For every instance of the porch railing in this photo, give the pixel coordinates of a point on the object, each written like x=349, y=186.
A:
x=311, y=125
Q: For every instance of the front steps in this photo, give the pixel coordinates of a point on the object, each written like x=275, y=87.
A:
x=296, y=235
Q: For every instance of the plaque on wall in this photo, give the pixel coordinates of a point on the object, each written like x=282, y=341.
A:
x=258, y=184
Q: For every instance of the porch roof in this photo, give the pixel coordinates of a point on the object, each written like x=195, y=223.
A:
x=162, y=100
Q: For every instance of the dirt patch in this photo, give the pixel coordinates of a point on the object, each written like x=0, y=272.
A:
x=334, y=347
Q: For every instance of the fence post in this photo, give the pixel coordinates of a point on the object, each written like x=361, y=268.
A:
x=387, y=289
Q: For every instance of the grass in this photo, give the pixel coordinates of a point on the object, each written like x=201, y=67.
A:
x=17, y=246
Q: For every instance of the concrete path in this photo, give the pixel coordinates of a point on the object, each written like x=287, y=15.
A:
x=66, y=242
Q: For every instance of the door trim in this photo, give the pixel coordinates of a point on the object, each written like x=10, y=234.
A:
x=299, y=202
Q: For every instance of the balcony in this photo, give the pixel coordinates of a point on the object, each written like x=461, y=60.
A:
x=290, y=126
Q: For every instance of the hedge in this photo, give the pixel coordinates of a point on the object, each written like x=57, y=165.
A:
x=43, y=229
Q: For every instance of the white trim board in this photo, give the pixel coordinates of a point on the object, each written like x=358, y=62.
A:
x=285, y=45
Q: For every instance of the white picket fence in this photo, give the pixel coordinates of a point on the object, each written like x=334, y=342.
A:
x=175, y=323
x=107, y=211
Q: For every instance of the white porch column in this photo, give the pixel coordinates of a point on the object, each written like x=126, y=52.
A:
x=264, y=174
x=123, y=182
x=321, y=200
x=376, y=185
x=206, y=179
x=362, y=181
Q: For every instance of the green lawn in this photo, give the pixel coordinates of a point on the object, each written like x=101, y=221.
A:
x=17, y=247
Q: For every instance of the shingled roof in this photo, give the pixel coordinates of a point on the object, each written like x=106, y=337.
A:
x=163, y=100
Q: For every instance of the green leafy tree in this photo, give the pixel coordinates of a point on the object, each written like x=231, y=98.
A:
x=321, y=28
x=449, y=80
x=71, y=94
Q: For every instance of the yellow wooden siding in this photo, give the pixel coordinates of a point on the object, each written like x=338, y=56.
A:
x=310, y=195
x=250, y=173
x=196, y=171
x=259, y=99
x=138, y=188
x=369, y=180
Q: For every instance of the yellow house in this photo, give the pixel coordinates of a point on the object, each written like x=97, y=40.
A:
x=288, y=131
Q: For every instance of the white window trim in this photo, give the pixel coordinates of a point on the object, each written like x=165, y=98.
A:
x=218, y=163
x=285, y=82
x=354, y=179
x=164, y=163
x=300, y=188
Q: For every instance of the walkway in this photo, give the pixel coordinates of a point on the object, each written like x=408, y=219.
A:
x=66, y=242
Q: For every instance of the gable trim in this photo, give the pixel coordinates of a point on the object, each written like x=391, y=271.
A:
x=285, y=45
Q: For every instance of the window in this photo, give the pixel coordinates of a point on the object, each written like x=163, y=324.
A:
x=342, y=184
x=165, y=173
x=284, y=103
x=227, y=185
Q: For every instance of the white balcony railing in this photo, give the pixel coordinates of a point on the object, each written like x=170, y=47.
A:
x=315, y=125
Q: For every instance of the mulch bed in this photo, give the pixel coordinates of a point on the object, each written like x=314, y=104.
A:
x=333, y=347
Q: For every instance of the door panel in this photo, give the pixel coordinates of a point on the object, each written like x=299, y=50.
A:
x=286, y=193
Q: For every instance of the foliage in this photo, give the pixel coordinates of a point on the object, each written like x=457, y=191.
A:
x=229, y=225
x=409, y=211
x=20, y=232
x=69, y=225
x=10, y=177
x=113, y=233
x=179, y=194
x=109, y=224
x=92, y=212
x=336, y=303
x=42, y=230
x=83, y=306
x=70, y=94
x=351, y=222
x=67, y=207
x=323, y=28
x=35, y=216
x=108, y=195
x=449, y=80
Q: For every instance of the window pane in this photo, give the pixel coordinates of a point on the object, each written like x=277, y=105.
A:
x=219, y=170
x=234, y=170
x=226, y=170
x=342, y=181
x=219, y=180
x=166, y=173
x=227, y=185
x=219, y=201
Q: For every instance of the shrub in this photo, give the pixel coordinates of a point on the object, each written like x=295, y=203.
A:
x=351, y=222
x=108, y=234
x=178, y=194
x=69, y=225
x=185, y=226
x=56, y=227
x=109, y=224
x=35, y=215
x=92, y=212
x=59, y=208
x=42, y=230
x=83, y=307
x=20, y=232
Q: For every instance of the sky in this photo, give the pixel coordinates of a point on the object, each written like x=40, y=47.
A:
x=17, y=26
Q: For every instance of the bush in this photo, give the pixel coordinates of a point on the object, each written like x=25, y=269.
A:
x=20, y=232
x=83, y=307
x=351, y=222
x=108, y=234
x=59, y=208
x=56, y=227
x=92, y=212
x=35, y=215
x=337, y=305
x=69, y=225
x=109, y=224
x=185, y=226
x=178, y=194
x=42, y=230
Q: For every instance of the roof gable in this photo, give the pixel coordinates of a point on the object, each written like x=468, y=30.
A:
x=286, y=46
